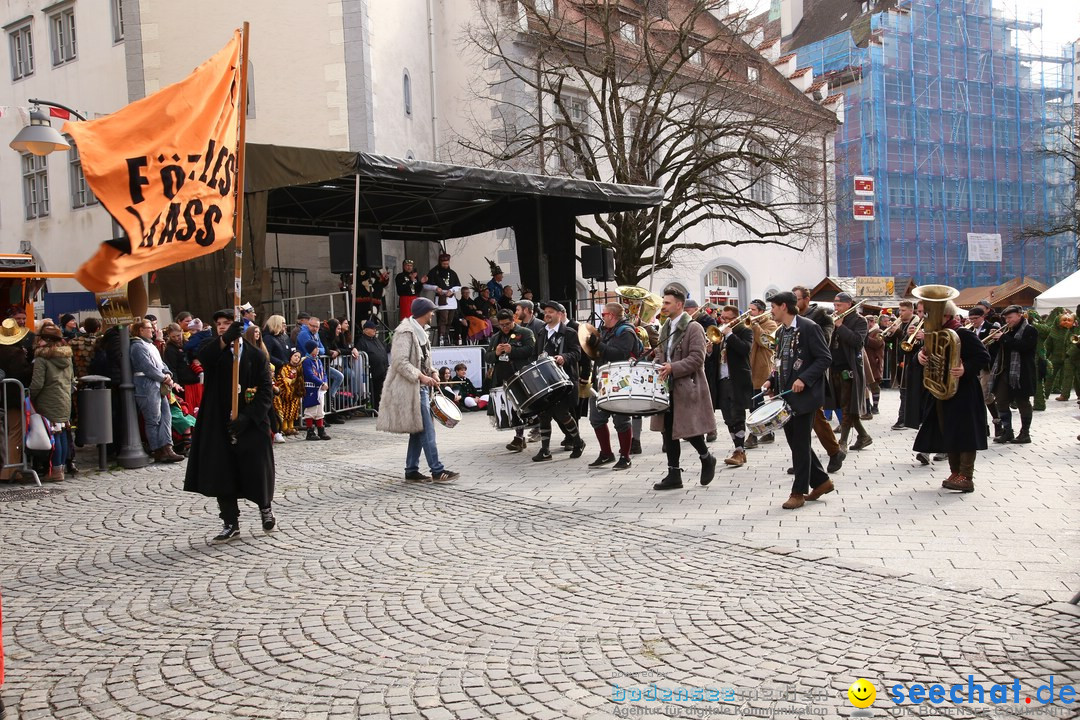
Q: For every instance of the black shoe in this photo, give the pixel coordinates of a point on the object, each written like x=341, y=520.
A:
x=567, y=444
x=767, y=438
x=864, y=441
x=1022, y=439
x=445, y=476
x=874, y=409
x=1005, y=436
x=228, y=532
x=416, y=476
x=603, y=459
x=542, y=455
x=311, y=434
x=635, y=447
x=268, y=519
x=708, y=469
x=70, y=468
x=836, y=462
x=791, y=471
x=334, y=420
x=671, y=481
x=577, y=450
x=923, y=458
x=711, y=437
x=898, y=425
x=322, y=434
x=623, y=464
x=516, y=445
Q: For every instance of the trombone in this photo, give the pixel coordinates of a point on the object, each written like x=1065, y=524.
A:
x=996, y=335
x=839, y=317
x=908, y=343
x=715, y=333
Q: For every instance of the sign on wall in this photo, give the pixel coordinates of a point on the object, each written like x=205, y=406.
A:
x=984, y=247
x=864, y=185
x=874, y=286
x=863, y=210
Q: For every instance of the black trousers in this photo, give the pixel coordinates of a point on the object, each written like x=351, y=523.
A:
x=562, y=415
x=376, y=389
x=229, y=509
x=1004, y=395
x=734, y=413
x=674, y=447
x=808, y=470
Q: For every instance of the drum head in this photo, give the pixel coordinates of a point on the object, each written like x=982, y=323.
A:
x=766, y=411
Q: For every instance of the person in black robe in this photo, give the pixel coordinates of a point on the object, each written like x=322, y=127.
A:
x=233, y=459
x=957, y=426
x=712, y=358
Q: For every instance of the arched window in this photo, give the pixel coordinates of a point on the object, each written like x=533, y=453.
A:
x=722, y=286
x=406, y=91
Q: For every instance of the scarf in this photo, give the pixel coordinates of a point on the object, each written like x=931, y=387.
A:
x=1014, y=359
x=667, y=332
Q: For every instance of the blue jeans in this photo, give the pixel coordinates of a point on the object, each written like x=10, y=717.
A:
x=425, y=440
x=336, y=378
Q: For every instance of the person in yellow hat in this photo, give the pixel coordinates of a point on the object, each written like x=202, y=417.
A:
x=15, y=366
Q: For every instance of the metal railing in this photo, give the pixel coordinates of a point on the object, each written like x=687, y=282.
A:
x=352, y=390
x=22, y=468
x=322, y=305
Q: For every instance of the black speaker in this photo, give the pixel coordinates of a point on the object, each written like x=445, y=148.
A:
x=368, y=251
x=598, y=263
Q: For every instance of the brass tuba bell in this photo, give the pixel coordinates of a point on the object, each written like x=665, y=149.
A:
x=941, y=345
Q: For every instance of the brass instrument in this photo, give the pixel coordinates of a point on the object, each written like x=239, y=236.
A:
x=1075, y=339
x=996, y=335
x=715, y=333
x=908, y=343
x=839, y=317
x=940, y=345
x=640, y=304
x=768, y=341
x=892, y=329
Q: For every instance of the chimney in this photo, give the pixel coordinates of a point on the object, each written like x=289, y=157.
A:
x=791, y=14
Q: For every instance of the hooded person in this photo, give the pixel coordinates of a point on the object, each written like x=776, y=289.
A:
x=232, y=459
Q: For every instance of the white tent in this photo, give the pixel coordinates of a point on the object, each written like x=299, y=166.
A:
x=1065, y=294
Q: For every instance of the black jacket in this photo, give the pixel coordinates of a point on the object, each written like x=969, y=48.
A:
x=962, y=425
x=377, y=353
x=737, y=346
x=823, y=319
x=617, y=344
x=846, y=347
x=1021, y=341
x=813, y=359
x=564, y=342
x=278, y=347
x=176, y=360
x=522, y=352
x=406, y=286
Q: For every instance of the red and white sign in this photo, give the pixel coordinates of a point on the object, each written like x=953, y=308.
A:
x=864, y=185
x=863, y=210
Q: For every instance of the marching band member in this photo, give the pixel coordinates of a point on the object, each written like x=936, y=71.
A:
x=561, y=343
x=652, y=335
x=1014, y=374
x=960, y=429
x=510, y=349
x=734, y=385
x=690, y=417
x=617, y=342
x=408, y=288
x=712, y=359
x=822, y=428
x=444, y=282
x=761, y=360
x=802, y=360
x=874, y=361
x=904, y=360
x=846, y=375
x=982, y=330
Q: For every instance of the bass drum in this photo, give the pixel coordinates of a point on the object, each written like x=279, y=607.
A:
x=627, y=388
x=538, y=386
x=502, y=414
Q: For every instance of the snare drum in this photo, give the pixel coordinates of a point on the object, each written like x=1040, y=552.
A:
x=538, y=387
x=502, y=413
x=444, y=410
x=770, y=417
x=628, y=388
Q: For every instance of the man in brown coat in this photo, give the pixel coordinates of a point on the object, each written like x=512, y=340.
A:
x=680, y=352
x=761, y=360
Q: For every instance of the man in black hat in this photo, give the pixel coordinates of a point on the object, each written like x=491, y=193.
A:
x=1014, y=374
x=232, y=459
x=445, y=284
x=510, y=349
x=558, y=341
x=378, y=358
x=846, y=376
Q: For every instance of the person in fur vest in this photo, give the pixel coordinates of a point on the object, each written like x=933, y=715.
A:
x=406, y=399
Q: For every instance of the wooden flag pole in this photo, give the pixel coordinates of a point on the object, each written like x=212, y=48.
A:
x=238, y=222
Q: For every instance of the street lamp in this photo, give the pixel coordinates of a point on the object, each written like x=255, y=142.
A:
x=40, y=138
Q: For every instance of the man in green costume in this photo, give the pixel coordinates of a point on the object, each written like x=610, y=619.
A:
x=1058, y=344
x=1043, y=366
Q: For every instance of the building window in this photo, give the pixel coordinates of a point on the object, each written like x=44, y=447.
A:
x=722, y=286
x=574, y=130
x=806, y=181
x=544, y=7
x=81, y=195
x=406, y=92
x=759, y=178
x=117, y=20
x=22, y=52
x=35, y=186
x=628, y=31
x=62, y=34
x=752, y=74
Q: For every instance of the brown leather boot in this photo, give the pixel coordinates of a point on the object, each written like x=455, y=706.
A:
x=960, y=483
x=794, y=501
x=738, y=458
x=822, y=489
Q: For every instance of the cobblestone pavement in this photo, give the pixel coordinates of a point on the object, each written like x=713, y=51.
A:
x=538, y=590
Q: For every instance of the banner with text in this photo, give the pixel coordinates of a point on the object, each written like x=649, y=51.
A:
x=165, y=168
x=471, y=355
x=874, y=287
x=984, y=247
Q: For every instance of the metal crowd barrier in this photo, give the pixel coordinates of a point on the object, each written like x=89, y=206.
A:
x=354, y=393
x=22, y=469
x=324, y=305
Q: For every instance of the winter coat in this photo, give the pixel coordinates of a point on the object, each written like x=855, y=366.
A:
x=617, y=344
x=564, y=342
x=691, y=406
x=962, y=426
x=874, y=354
x=278, y=347
x=761, y=359
x=314, y=379
x=177, y=362
x=847, y=343
x=50, y=386
x=522, y=352
x=377, y=355
x=147, y=367
x=410, y=356
x=737, y=345
x=217, y=467
x=14, y=365
x=304, y=335
x=813, y=359
x=1022, y=340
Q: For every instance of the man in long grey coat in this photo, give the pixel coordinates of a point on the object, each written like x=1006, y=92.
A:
x=680, y=353
x=406, y=398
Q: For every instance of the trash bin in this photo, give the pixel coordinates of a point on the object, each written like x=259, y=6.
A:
x=95, y=414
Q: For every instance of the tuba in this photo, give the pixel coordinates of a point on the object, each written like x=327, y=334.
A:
x=942, y=346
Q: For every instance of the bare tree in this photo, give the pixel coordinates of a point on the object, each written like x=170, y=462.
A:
x=664, y=93
x=1061, y=157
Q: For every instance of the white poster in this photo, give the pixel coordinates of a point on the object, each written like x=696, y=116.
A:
x=984, y=247
x=471, y=355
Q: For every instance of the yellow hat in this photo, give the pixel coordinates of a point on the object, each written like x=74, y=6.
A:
x=11, y=333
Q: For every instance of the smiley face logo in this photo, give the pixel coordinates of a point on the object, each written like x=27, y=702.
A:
x=862, y=693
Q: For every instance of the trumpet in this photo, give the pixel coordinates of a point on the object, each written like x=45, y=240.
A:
x=1075, y=339
x=996, y=335
x=768, y=341
x=891, y=330
x=715, y=333
x=908, y=343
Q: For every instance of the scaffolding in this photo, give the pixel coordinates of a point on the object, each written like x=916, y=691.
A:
x=948, y=106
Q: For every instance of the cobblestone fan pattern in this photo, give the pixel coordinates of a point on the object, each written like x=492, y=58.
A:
x=380, y=599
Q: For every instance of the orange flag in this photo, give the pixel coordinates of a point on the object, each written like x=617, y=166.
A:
x=165, y=168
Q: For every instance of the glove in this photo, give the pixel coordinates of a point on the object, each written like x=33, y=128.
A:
x=233, y=333
x=594, y=341
x=239, y=425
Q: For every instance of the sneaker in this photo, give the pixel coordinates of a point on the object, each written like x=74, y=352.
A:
x=602, y=459
x=542, y=456
x=923, y=458
x=623, y=464
x=516, y=445
x=445, y=476
x=268, y=519
x=577, y=450
x=416, y=476
x=228, y=532
x=635, y=447
x=279, y=438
